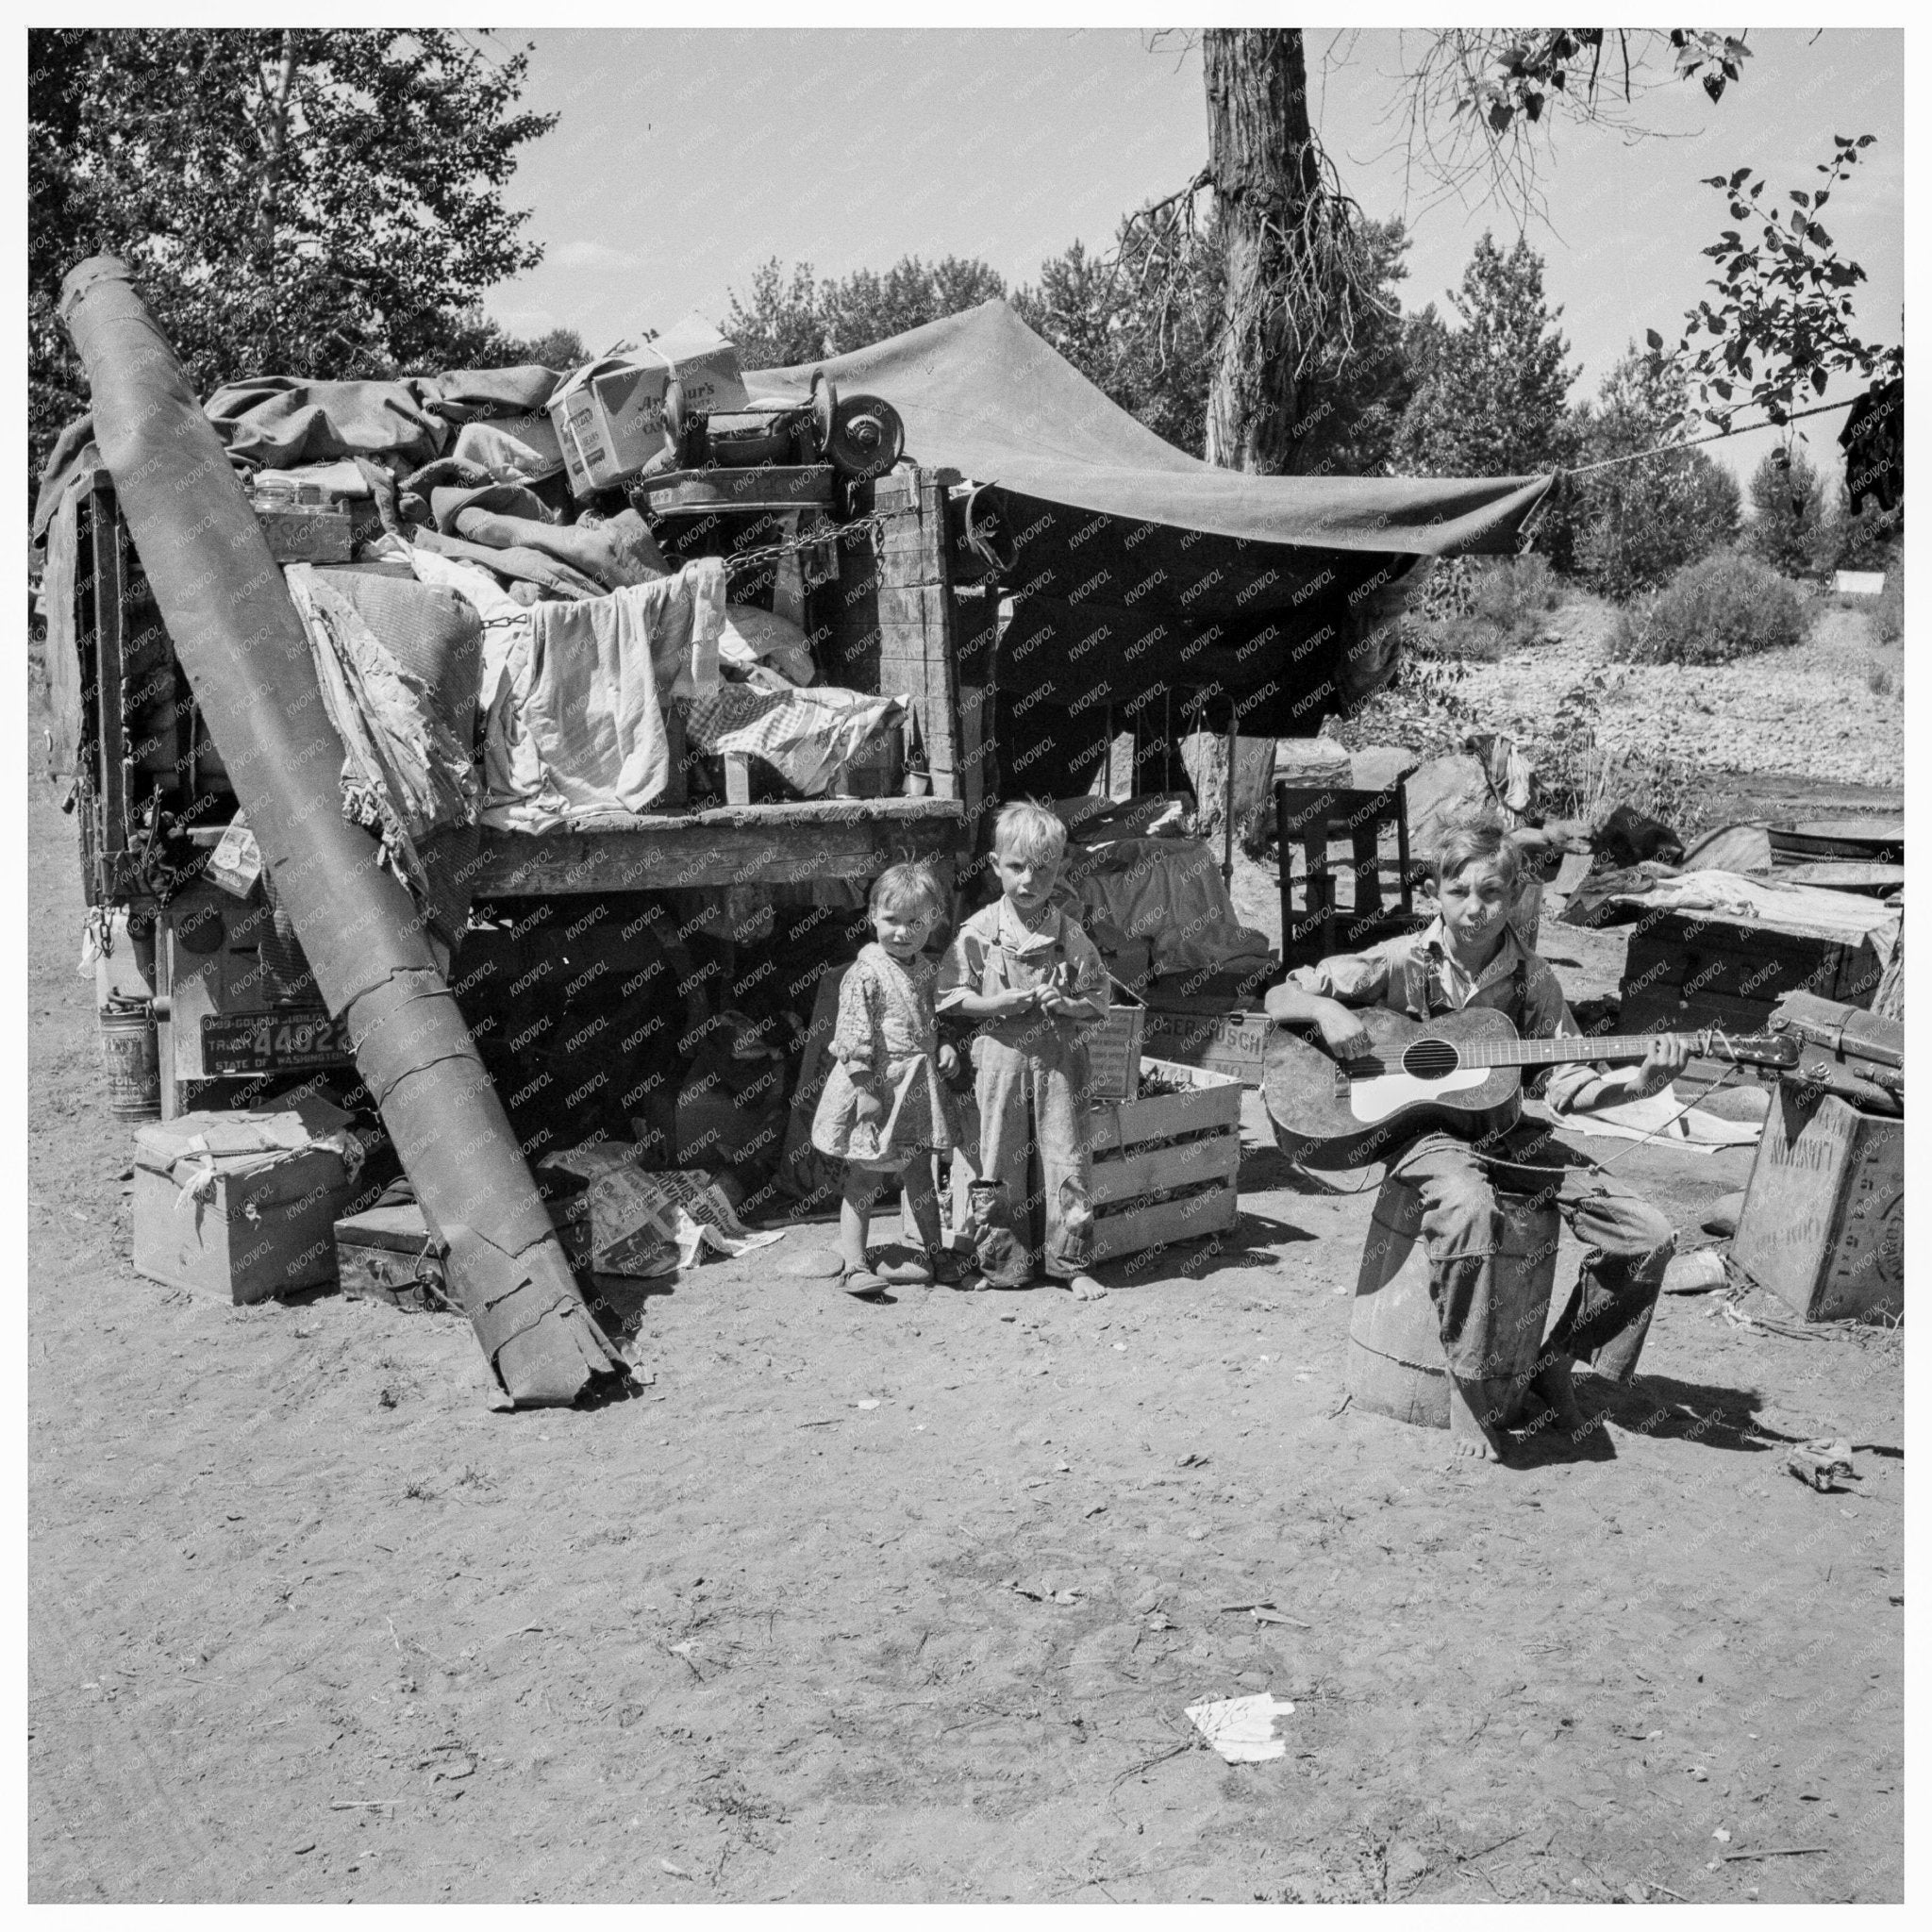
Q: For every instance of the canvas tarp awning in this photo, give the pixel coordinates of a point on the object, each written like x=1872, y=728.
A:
x=981, y=393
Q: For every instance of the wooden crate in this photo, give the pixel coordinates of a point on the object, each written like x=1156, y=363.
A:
x=1165, y=1165
x=1823, y=1226
x=1686, y=970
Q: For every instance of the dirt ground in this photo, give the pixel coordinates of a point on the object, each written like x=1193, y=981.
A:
x=310, y=1620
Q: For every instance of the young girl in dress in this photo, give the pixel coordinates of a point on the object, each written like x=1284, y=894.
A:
x=885, y=1109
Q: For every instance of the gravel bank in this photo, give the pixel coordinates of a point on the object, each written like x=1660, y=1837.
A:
x=1809, y=712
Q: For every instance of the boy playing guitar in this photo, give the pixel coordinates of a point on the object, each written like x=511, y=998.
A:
x=1470, y=955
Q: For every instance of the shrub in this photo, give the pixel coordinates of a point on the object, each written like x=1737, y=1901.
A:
x=1503, y=606
x=1865, y=538
x=1712, y=611
x=1890, y=615
x=1640, y=524
x=1791, y=529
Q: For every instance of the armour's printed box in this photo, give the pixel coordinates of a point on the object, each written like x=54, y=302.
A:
x=609, y=414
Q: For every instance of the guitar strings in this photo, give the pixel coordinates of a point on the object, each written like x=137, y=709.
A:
x=1605, y=1166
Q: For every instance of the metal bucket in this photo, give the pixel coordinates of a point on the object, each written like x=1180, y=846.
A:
x=133, y=1064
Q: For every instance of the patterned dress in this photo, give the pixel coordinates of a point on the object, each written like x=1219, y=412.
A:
x=886, y=1037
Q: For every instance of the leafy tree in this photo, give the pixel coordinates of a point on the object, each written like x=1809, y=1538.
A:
x=1480, y=104
x=310, y=202
x=556, y=348
x=796, y=319
x=1638, y=523
x=781, y=324
x=1781, y=326
x=867, y=307
x=1156, y=362
x=1358, y=392
x=1493, y=401
x=1154, y=356
x=1864, y=537
x=1790, y=528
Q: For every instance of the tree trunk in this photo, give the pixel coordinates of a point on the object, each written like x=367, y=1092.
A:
x=1263, y=164
x=274, y=135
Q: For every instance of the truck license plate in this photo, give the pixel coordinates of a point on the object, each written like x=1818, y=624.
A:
x=254, y=1043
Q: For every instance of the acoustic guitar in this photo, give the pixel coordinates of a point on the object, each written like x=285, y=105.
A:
x=1460, y=1070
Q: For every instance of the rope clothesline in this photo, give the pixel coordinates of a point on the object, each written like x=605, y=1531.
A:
x=1664, y=449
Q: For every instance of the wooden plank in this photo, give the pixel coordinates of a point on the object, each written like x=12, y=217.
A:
x=920, y=608
x=975, y=750
x=1194, y=1216
x=914, y=608
x=912, y=547
x=778, y=844
x=1128, y=1176
x=1212, y=1100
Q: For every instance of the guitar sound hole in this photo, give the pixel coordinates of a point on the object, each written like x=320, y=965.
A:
x=1429, y=1059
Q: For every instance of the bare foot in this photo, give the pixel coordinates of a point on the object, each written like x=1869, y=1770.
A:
x=1552, y=1383
x=1472, y=1431
x=1086, y=1288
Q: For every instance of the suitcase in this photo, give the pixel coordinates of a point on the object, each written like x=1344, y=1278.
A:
x=389, y=1255
x=221, y=1209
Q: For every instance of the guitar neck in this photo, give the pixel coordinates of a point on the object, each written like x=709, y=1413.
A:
x=1569, y=1049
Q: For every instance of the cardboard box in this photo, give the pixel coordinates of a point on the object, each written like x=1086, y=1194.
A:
x=242, y=1206
x=1114, y=1056
x=1233, y=1043
x=609, y=414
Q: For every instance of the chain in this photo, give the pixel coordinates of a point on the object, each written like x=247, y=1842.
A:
x=770, y=552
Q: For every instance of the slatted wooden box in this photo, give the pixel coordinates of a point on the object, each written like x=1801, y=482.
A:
x=1165, y=1165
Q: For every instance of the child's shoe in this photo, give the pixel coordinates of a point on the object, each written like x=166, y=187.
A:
x=902, y=1267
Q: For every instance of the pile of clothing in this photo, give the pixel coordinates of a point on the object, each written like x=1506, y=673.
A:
x=581, y=634
x=1152, y=899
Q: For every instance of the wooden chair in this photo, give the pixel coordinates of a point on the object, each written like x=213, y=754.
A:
x=1312, y=819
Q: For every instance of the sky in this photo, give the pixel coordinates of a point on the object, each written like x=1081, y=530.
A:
x=685, y=157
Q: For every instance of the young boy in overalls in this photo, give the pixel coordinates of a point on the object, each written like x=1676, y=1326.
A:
x=1033, y=981
x=1471, y=955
